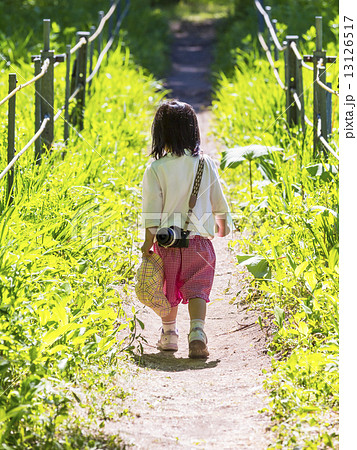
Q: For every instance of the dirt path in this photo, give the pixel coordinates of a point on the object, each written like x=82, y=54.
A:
x=177, y=402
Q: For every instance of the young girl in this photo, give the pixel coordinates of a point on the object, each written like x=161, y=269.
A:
x=167, y=187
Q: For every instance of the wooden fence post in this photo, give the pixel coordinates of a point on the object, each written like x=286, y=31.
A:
x=100, y=37
x=270, y=39
x=91, y=52
x=329, y=111
x=290, y=81
x=47, y=86
x=67, y=94
x=261, y=19
x=320, y=110
x=118, y=12
x=11, y=137
x=37, y=61
x=110, y=22
x=300, y=93
x=81, y=76
x=321, y=98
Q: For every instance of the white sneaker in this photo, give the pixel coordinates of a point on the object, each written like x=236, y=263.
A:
x=168, y=341
x=197, y=344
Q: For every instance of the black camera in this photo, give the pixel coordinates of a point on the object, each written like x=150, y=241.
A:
x=172, y=237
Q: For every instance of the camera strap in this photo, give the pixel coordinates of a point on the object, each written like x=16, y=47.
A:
x=196, y=186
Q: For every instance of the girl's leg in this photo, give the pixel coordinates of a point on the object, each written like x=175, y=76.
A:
x=172, y=316
x=169, y=335
x=197, y=339
x=197, y=308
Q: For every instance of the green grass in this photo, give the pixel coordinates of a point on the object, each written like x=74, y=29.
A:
x=149, y=42
x=295, y=17
x=69, y=236
x=288, y=215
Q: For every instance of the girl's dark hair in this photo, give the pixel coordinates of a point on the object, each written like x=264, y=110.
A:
x=174, y=129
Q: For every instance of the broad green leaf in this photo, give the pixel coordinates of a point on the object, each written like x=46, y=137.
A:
x=81, y=339
x=57, y=348
x=333, y=258
x=50, y=337
x=232, y=157
x=306, y=308
x=44, y=315
x=256, y=264
x=62, y=364
x=303, y=328
x=60, y=314
x=325, y=173
x=279, y=315
x=4, y=364
x=241, y=258
x=325, y=211
x=18, y=411
x=300, y=268
x=311, y=280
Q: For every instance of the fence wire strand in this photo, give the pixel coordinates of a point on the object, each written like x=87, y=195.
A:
x=100, y=57
x=299, y=57
x=33, y=139
x=323, y=140
x=269, y=25
x=21, y=86
x=328, y=147
x=44, y=69
x=102, y=22
x=308, y=121
x=72, y=97
x=107, y=47
x=320, y=83
x=297, y=100
x=79, y=44
x=270, y=59
x=299, y=106
x=58, y=113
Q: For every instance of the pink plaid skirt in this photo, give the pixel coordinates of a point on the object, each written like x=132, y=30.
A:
x=188, y=272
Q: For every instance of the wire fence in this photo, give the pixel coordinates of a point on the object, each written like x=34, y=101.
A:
x=21, y=86
x=77, y=81
x=323, y=85
x=270, y=59
x=323, y=140
x=269, y=25
x=28, y=145
x=76, y=85
x=107, y=47
x=103, y=21
x=293, y=85
x=299, y=57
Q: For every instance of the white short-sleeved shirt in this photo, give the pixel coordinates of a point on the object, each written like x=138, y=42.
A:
x=167, y=186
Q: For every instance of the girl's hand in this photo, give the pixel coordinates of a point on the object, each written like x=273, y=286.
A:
x=145, y=249
x=222, y=227
x=149, y=240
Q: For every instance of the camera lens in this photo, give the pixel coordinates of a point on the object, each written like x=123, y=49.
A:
x=165, y=237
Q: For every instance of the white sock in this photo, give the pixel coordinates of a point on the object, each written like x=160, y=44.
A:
x=197, y=323
x=169, y=326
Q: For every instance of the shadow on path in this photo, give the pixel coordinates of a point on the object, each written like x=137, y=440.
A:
x=168, y=362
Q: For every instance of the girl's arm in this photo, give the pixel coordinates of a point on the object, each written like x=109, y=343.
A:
x=223, y=227
x=152, y=206
x=219, y=203
x=149, y=240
